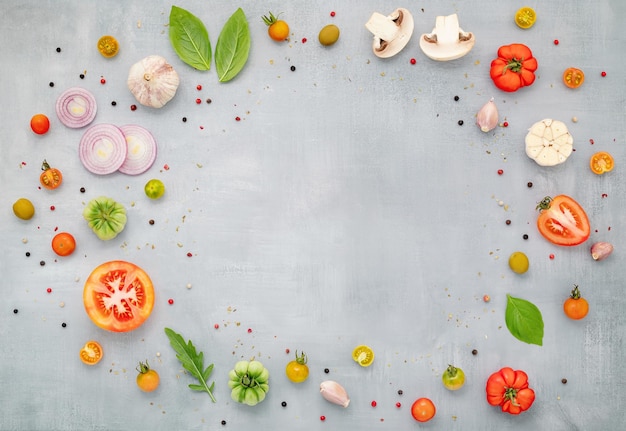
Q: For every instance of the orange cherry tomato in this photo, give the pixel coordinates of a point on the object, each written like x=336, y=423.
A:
x=562, y=221
x=40, y=124
x=108, y=46
x=573, y=78
x=63, y=244
x=91, y=353
x=147, y=379
x=118, y=296
x=50, y=178
x=423, y=410
x=277, y=29
x=601, y=162
x=576, y=307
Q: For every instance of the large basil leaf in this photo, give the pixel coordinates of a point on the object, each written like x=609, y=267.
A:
x=190, y=39
x=233, y=46
x=524, y=320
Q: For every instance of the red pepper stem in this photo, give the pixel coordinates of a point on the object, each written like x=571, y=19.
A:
x=514, y=65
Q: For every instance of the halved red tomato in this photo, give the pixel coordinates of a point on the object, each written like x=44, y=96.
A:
x=562, y=221
x=118, y=296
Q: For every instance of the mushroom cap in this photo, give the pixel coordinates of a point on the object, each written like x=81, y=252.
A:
x=153, y=81
x=391, y=33
x=447, y=41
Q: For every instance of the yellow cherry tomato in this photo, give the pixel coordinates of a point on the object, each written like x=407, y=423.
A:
x=363, y=355
x=147, y=379
x=525, y=17
x=601, y=162
x=108, y=46
x=518, y=262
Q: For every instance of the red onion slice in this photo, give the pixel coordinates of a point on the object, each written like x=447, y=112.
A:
x=142, y=150
x=76, y=107
x=102, y=149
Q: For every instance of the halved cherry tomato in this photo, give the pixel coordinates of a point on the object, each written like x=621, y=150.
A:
x=601, y=162
x=576, y=307
x=108, y=46
x=118, y=296
x=525, y=17
x=40, y=124
x=562, y=221
x=363, y=355
x=50, y=178
x=91, y=353
x=573, y=78
x=423, y=410
x=63, y=244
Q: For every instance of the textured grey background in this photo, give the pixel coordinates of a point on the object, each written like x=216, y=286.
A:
x=346, y=207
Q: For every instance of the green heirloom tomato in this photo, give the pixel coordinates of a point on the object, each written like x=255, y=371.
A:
x=453, y=378
x=248, y=382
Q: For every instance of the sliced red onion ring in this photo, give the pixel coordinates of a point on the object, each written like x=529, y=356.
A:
x=142, y=150
x=76, y=107
x=102, y=149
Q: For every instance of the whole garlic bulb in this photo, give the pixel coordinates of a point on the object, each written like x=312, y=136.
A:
x=153, y=81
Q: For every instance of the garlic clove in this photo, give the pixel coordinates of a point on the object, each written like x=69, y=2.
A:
x=601, y=250
x=487, y=117
x=334, y=393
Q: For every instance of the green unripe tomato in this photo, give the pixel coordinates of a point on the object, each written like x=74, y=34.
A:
x=154, y=189
x=453, y=378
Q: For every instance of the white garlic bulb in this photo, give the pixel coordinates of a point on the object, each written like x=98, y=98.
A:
x=153, y=81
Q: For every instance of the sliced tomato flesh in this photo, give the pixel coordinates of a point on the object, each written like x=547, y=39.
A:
x=118, y=296
x=564, y=222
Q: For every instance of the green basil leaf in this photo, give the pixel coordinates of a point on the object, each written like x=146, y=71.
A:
x=190, y=39
x=233, y=46
x=524, y=320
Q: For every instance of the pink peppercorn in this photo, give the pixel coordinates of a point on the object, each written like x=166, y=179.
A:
x=49, y=290
x=500, y=171
x=332, y=13
x=556, y=41
x=198, y=101
x=551, y=256
x=603, y=74
x=189, y=254
x=398, y=405
x=322, y=418
x=198, y=87
x=413, y=61
x=103, y=81
x=170, y=301
x=249, y=330
x=304, y=40
x=505, y=124
x=237, y=119
x=374, y=403
x=216, y=326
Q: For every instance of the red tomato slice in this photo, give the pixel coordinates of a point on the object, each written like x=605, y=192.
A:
x=562, y=221
x=118, y=296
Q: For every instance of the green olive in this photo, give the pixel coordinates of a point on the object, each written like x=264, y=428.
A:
x=329, y=35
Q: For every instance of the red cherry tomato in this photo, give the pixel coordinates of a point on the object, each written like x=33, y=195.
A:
x=40, y=124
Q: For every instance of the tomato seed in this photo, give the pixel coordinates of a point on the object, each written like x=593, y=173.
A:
x=413, y=61
x=133, y=107
x=374, y=404
x=398, y=405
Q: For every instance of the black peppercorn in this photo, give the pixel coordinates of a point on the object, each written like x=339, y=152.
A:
x=58, y=49
x=15, y=311
x=456, y=98
x=529, y=184
x=508, y=222
x=284, y=404
x=64, y=324
x=460, y=122
x=51, y=84
x=326, y=370
x=151, y=221
x=42, y=263
x=474, y=352
x=184, y=119
x=223, y=422
x=81, y=76
x=28, y=254
x=293, y=68
x=400, y=392
x=82, y=190
x=113, y=103
x=208, y=101
x=563, y=381
x=525, y=236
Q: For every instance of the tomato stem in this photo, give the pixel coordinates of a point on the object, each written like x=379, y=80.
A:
x=575, y=292
x=544, y=204
x=301, y=359
x=45, y=166
x=143, y=367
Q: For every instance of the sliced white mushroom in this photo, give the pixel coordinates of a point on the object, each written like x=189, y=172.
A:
x=153, y=81
x=549, y=143
x=447, y=41
x=391, y=33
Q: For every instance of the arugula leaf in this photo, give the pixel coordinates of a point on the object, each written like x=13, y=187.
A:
x=233, y=46
x=190, y=39
x=524, y=320
x=192, y=362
